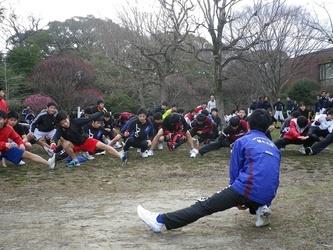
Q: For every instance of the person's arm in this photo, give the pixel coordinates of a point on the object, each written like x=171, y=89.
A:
x=15, y=137
x=36, y=121
x=149, y=130
x=56, y=136
x=185, y=125
x=219, y=124
x=236, y=161
x=84, y=121
x=129, y=127
x=166, y=114
x=3, y=146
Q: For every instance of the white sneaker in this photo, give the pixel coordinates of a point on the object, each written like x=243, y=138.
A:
x=149, y=219
x=21, y=163
x=117, y=145
x=262, y=216
x=52, y=161
x=4, y=164
x=145, y=154
x=193, y=152
x=160, y=146
x=88, y=156
x=100, y=153
x=150, y=152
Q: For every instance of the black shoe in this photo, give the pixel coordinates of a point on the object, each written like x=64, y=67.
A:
x=308, y=151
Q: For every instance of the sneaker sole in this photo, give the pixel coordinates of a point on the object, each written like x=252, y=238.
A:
x=139, y=209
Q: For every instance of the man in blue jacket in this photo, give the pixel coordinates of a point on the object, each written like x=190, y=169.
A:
x=254, y=180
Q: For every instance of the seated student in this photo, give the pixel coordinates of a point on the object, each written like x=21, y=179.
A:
x=189, y=116
x=157, y=121
x=254, y=180
x=110, y=132
x=15, y=151
x=95, y=129
x=175, y=131
x=162, y=108
x=138, y=133
x=236, y=129
x=286, y=124
x=204, y=128
x=43, y=127
x=22, y=131
x=296, y=134
x=323, y=127
x=70, y=135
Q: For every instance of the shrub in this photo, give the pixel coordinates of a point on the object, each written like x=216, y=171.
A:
x=120, y=103
x=37, y=102
x=304, y=91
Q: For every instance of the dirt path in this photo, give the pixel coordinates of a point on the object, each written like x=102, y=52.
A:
x=94, y=206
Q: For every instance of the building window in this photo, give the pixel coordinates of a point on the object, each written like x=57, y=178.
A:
x=326, y=71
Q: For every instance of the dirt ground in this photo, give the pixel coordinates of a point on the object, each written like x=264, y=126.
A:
x=94, y=206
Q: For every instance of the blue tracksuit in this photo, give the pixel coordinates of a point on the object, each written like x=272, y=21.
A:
x=255, y=167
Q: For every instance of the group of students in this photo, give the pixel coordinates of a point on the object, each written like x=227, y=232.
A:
x=252, y=184
x=98, y=131
x=60, y=136
x=283, y=110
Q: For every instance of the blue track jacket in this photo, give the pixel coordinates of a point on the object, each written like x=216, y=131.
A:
x=255, y=167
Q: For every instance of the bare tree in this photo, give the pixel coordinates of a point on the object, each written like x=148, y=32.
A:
x=323, y=24
x=230, y=31
x=17, y=33
x=159, y=38
x=275, y=57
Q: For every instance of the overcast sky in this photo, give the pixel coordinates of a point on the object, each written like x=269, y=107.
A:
x=61, y=10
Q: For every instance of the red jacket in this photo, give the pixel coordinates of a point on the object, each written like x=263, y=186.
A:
x=7, y=132
x=294, y=131
x=207, y=127
x=4, y=106
x=198, y=109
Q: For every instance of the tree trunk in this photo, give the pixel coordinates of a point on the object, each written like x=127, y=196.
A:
x=141, y=96
x=163, y=90
x=218, y=85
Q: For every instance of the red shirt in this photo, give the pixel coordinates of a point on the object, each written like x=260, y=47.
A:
x=4, y=106
x=294, y=131
x=7, y=132
x=198, y=109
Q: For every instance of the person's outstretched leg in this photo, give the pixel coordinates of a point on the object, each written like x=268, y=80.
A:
x=220, y=201
x=220, y=142
x=320, y=146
